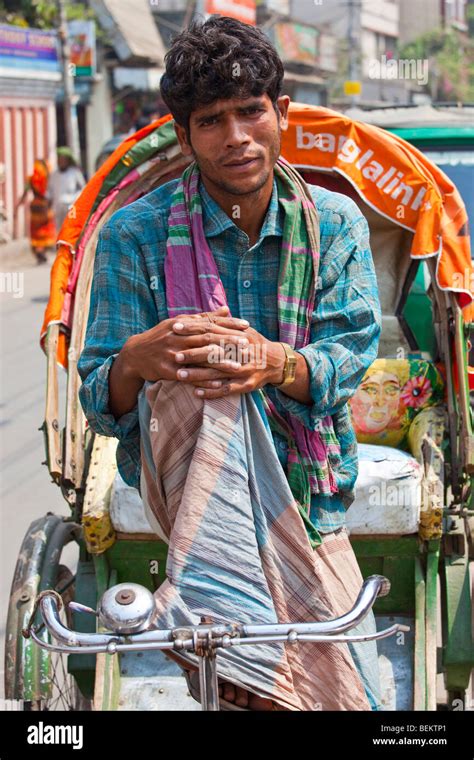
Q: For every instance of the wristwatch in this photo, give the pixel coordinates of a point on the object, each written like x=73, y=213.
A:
x=289, y=369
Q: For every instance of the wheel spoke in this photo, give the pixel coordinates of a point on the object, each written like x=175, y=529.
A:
x=51, y=679
x=62, y=684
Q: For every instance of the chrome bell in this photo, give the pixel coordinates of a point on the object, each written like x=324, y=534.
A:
x=127, y=608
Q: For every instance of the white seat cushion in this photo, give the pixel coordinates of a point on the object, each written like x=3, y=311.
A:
x=127, y=510
x=387, y=497
x=387, y=492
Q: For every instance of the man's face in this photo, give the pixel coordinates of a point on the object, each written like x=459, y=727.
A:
x=236, y=141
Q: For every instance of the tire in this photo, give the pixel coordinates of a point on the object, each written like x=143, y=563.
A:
x=36, y=677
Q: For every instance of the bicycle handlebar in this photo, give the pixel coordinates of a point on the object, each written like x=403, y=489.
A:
x=203, y=638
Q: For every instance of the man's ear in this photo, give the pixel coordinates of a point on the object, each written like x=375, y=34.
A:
x=186, y=148
x=283, y=103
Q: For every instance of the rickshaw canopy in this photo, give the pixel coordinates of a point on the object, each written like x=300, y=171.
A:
x=391, y=176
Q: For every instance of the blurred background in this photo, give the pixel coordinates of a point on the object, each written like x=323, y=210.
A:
x=337, y=53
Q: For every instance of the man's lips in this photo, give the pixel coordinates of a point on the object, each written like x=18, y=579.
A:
x=242, y=162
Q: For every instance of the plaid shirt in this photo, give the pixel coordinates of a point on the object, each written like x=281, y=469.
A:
x=128, y=297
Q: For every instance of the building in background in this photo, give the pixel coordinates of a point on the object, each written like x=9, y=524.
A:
x=243, y=10
x=91, y=91
x=439, y=31
x=367, y=33
x=132, y=66
x=31, y=106
x=308, y=52
x=330, y=49
x=307, y=49
x=30, y=81
x=453, y=13
x=418, y=17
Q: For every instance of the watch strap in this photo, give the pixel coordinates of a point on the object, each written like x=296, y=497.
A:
x=289, y=369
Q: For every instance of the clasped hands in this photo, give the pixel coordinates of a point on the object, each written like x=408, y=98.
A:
x=225, y=355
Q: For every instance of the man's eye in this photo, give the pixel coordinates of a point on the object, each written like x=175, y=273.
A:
x=210, y=120
x=253, y=110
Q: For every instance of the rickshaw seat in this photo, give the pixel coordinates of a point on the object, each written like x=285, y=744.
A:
x=388, y=497
x=127, y=510
x=394, y=461
x=389, y=491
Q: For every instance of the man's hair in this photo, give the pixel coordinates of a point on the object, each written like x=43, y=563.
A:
x=218, y=58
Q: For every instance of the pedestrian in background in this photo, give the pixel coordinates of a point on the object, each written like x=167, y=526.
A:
x=66, y=183
x=42, y=226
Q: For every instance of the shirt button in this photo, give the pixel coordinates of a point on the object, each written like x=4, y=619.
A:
x=246, y=283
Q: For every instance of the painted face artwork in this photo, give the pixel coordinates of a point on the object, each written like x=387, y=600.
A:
x=376, y=402
x=391, y=394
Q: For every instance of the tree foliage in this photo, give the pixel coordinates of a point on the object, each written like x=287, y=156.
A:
x=42, y=14
x=450, y=55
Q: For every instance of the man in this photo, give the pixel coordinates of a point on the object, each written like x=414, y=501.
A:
x=66, y=184
x=222, y=85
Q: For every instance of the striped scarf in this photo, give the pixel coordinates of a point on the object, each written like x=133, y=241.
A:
x=193, y=285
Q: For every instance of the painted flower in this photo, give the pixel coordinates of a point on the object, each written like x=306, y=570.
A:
x=416, y=391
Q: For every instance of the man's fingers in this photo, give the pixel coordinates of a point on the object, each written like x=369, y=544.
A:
x=221, y=312
x=213, y=384
x=229, y=386
x=210, y=354
x=209, y=349
x=198, y=374
x=191, y=325
x=205, y=338
x=218, y=353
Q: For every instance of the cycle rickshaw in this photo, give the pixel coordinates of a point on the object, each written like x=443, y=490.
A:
x=414, y=528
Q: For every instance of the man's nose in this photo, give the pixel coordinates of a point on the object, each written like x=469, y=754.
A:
x=235, y=133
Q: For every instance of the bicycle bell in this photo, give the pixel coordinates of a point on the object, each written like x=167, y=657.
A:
x=127, y=608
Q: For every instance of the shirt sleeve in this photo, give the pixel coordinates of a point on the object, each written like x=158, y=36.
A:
x=346, y=320
x=121, y=305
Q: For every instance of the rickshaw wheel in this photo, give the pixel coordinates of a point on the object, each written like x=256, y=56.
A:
x=36, y=677
x=65, y=693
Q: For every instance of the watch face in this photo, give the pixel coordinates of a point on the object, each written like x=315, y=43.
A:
x=291, y=370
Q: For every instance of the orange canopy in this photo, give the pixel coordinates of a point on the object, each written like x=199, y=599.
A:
x=389, y=174
x=395, y=179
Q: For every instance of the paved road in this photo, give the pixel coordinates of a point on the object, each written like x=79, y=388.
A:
x=26, y=490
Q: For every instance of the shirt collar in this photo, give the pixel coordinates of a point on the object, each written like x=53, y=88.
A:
x=216, y=221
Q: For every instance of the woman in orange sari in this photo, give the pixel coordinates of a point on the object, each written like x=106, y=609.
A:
x=42, y=226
